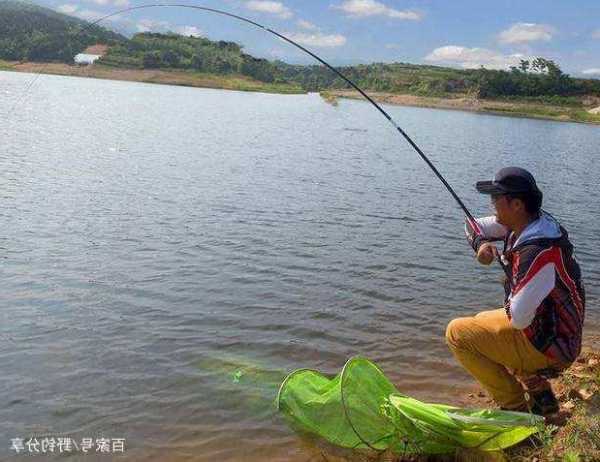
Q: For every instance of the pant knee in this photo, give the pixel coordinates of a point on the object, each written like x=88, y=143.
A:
x=456, y=332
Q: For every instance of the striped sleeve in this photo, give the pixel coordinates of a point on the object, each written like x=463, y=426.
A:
x=486, y=229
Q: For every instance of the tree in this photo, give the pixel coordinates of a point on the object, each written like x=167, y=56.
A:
x=197, y=62
x=151, y=60
x=170, y=58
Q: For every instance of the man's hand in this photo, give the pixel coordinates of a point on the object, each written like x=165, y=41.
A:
x=486, y=253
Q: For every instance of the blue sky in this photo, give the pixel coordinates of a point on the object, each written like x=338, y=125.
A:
x=462, y=33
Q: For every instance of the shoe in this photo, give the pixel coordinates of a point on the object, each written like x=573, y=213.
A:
x=544, y=402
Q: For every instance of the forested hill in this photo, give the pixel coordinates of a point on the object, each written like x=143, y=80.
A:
x=32, y=33
x=536, y=78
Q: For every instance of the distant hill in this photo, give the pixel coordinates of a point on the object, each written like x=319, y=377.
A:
x=538, y=78
x=159, y=51
x=34, y=33
x=153, y=51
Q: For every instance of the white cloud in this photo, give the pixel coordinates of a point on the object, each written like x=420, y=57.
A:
x=469, y=58
x=596, y=34
x=89, y=15
x=524, y=32
x=271, y=7
x=317, y=39
x=189, y=31
x=67, y=8
x=393, y=46
x=306, y=25
x=593, y=71
x=110, y=2
x=151, y=25
x=366, y=8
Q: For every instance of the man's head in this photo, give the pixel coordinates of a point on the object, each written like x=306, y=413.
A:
x=515, y=196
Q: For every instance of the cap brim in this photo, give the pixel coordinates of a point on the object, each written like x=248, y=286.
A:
x=489, y=187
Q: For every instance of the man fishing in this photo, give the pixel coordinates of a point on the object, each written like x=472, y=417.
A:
x=538, y=332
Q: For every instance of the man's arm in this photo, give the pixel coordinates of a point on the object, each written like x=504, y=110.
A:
x=488, y=230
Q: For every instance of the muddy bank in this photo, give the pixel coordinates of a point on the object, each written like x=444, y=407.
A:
x=468, y=103
x=159, y=76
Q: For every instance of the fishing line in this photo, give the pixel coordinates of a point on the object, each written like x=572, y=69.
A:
x=470, y=218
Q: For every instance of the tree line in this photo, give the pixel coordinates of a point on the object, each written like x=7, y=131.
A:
x=32, y=33
x=172, y=51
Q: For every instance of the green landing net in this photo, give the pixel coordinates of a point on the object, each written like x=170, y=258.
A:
x=360, y=408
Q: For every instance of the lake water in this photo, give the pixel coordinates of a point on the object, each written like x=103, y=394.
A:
x=168, y=254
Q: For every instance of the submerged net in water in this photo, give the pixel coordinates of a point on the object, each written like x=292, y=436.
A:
x=360, y=408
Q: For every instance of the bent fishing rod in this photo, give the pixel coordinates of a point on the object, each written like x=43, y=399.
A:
x=470, y=219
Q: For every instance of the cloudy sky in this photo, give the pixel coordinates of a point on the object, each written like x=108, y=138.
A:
x=462, y=33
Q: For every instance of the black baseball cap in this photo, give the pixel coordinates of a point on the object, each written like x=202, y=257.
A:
x=509, y=180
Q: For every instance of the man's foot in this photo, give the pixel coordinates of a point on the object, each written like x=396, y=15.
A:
x=544, y=402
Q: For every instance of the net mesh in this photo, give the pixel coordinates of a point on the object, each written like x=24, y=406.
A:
x=360, y=408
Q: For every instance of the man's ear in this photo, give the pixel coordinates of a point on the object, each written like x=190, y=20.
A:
x=518, y=205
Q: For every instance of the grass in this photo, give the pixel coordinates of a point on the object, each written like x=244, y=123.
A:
x=4, y=66
x=565, y=114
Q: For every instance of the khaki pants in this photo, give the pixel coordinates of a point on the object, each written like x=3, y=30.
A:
x=486, y=345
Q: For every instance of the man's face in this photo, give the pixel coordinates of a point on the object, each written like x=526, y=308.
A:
x=504, y=209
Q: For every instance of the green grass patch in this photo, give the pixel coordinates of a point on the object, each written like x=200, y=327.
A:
x=4, y=66
x=554, y=100
x=549, y=112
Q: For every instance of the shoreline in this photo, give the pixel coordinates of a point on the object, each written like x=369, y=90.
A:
x=525, y=109
x=156, y=76
x=571, y=434
x=584, y=113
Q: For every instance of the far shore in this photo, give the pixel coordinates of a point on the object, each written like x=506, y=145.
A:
x=159, y=76
x=528, y=109
x=586, y=112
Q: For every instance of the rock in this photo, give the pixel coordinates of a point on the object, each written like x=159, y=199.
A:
x=596, y=110
x=581, y=394
x=569, y=405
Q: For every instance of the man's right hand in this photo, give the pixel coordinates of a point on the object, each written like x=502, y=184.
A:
x=486, y=253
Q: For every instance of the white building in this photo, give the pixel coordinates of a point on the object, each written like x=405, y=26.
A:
x=83, y=58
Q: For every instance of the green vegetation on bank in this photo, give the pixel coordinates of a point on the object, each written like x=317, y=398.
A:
x=543, y=112
x=541, y=79
x=172, y=51
x=33, y=33
x=537, y=87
